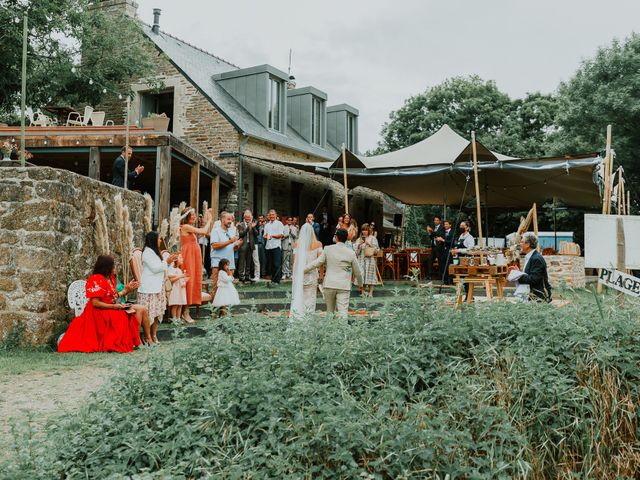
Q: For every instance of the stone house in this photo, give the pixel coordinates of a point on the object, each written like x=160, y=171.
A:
x=250, y=121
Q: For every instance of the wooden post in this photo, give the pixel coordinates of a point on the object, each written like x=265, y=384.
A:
x=535, y=223
x=126, y=144
x=620, y=252
x=607, y=174
x=628, y=203
x=194, y=197
x=94, y=163
x=475, y=177
x=165, y=182
x=23, y=91
x=214, y=205
x=344, y=177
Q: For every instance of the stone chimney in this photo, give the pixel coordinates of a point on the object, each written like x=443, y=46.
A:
x=156, y=20
x=128, y=7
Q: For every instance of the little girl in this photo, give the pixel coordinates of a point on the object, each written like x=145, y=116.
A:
x=226, y=294
x=178, y=295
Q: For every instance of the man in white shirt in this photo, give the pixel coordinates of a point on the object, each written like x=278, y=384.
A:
x=273, y=234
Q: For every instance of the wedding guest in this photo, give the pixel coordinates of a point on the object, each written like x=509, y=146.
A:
x=351, y=226
x=192, y=255
x=436, y=233
x=290, y=235
x=226, y=293
x=311, y=220
x=117, y=172
x=105, y=324
x=326, y=224
x=151, y=292
x=447, y=241
x=535, y=269
x=366, y=248
x=223, y=243
x=273, y=233
x=141, y=313
x=203, y=241
x=178, y=296
x=309, y=248
x=260, y=255
x=247, y=251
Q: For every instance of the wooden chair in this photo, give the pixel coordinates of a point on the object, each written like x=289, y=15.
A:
x=135, y=264
x=414, y=260
x=389, y=262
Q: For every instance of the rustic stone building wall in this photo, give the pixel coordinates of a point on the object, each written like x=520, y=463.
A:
x=47, y=242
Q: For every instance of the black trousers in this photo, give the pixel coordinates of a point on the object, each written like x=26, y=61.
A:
x=245, y=263
x=274, y=264
x=262, y=256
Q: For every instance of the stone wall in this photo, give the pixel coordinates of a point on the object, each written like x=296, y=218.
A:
x=47, y=242
x=567, y=270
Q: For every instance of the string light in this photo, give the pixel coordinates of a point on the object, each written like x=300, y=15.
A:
x=104, y=90
x=90, y=81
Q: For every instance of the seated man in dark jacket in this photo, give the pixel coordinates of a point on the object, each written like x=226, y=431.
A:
x=535, y=269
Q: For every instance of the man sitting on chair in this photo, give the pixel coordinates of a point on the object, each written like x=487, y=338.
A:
x=535, y=269
x=341, y=263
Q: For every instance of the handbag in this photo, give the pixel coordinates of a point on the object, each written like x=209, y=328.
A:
x=369, y=251
x=168, y=286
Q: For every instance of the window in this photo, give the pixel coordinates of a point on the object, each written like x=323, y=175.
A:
x=316, y=121
x=275, y=101
x=351, y=133
x=157, y=103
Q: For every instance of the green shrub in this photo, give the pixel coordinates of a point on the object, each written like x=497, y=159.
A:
x=420, y=391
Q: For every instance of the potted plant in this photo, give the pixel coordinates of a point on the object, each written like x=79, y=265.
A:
x=9, y=148
x=157, y=122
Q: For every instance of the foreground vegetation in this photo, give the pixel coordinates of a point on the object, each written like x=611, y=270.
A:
x=491, y=391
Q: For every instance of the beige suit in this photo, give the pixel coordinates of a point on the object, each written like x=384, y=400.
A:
x=341, y=263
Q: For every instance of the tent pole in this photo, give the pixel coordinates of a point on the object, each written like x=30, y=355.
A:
x=535, y=223
x=606, y=202
x=344, y=175
x=475, y=177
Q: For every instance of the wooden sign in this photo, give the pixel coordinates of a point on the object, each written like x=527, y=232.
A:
x=620, y=281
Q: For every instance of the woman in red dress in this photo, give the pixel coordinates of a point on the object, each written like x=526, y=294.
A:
x=192, y=256
x=104, y=325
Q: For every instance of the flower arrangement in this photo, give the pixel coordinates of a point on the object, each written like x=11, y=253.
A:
x=11, y=148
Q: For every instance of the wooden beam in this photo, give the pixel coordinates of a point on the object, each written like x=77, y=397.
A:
x=164, y=202
x=535, y=223
x=94, y=163
x=475, y=177
x=215, y=197
x=344, y=177
x=194, y=197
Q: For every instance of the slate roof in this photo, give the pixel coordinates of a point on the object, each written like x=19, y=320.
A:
x=198, y=66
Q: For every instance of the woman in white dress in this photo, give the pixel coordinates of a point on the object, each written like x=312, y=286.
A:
x=304, y=289
x=226, y=293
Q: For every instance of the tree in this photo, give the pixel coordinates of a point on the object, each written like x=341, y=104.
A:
x=464, y=103
x=103, y=47
x=605, y=90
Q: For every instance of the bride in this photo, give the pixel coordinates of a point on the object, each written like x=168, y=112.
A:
x=305, y=285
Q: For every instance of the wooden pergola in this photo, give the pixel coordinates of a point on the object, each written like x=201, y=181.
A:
x=174, y=171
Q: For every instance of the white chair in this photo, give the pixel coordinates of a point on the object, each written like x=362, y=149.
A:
x=77, y=296
x=75, y=119
x=37, y=119
x=97, y=119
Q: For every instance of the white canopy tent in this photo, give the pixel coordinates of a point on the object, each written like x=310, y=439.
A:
x=439, y=170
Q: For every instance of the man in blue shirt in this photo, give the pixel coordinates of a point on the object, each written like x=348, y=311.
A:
x=222, y=246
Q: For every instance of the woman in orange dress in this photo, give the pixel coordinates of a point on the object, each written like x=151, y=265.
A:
x=105, y=325
x=192, y=256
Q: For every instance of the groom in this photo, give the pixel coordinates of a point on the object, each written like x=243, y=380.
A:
x=341, y=262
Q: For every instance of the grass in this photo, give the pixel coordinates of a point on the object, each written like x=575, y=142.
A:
x=422, y=390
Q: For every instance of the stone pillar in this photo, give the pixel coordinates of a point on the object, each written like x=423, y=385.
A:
x=94, y=163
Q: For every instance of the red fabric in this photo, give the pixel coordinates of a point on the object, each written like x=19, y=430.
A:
x=98, y=330
x=192, y=263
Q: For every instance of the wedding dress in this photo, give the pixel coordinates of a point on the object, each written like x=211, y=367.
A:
x=303, y=256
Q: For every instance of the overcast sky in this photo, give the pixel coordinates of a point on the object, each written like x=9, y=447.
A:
x=373, y=54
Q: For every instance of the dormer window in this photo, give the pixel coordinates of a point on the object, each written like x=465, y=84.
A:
x=275, y=103
x=316, y=120
x=351, y=132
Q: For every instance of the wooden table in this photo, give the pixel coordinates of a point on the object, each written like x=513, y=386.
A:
x=485, y=275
